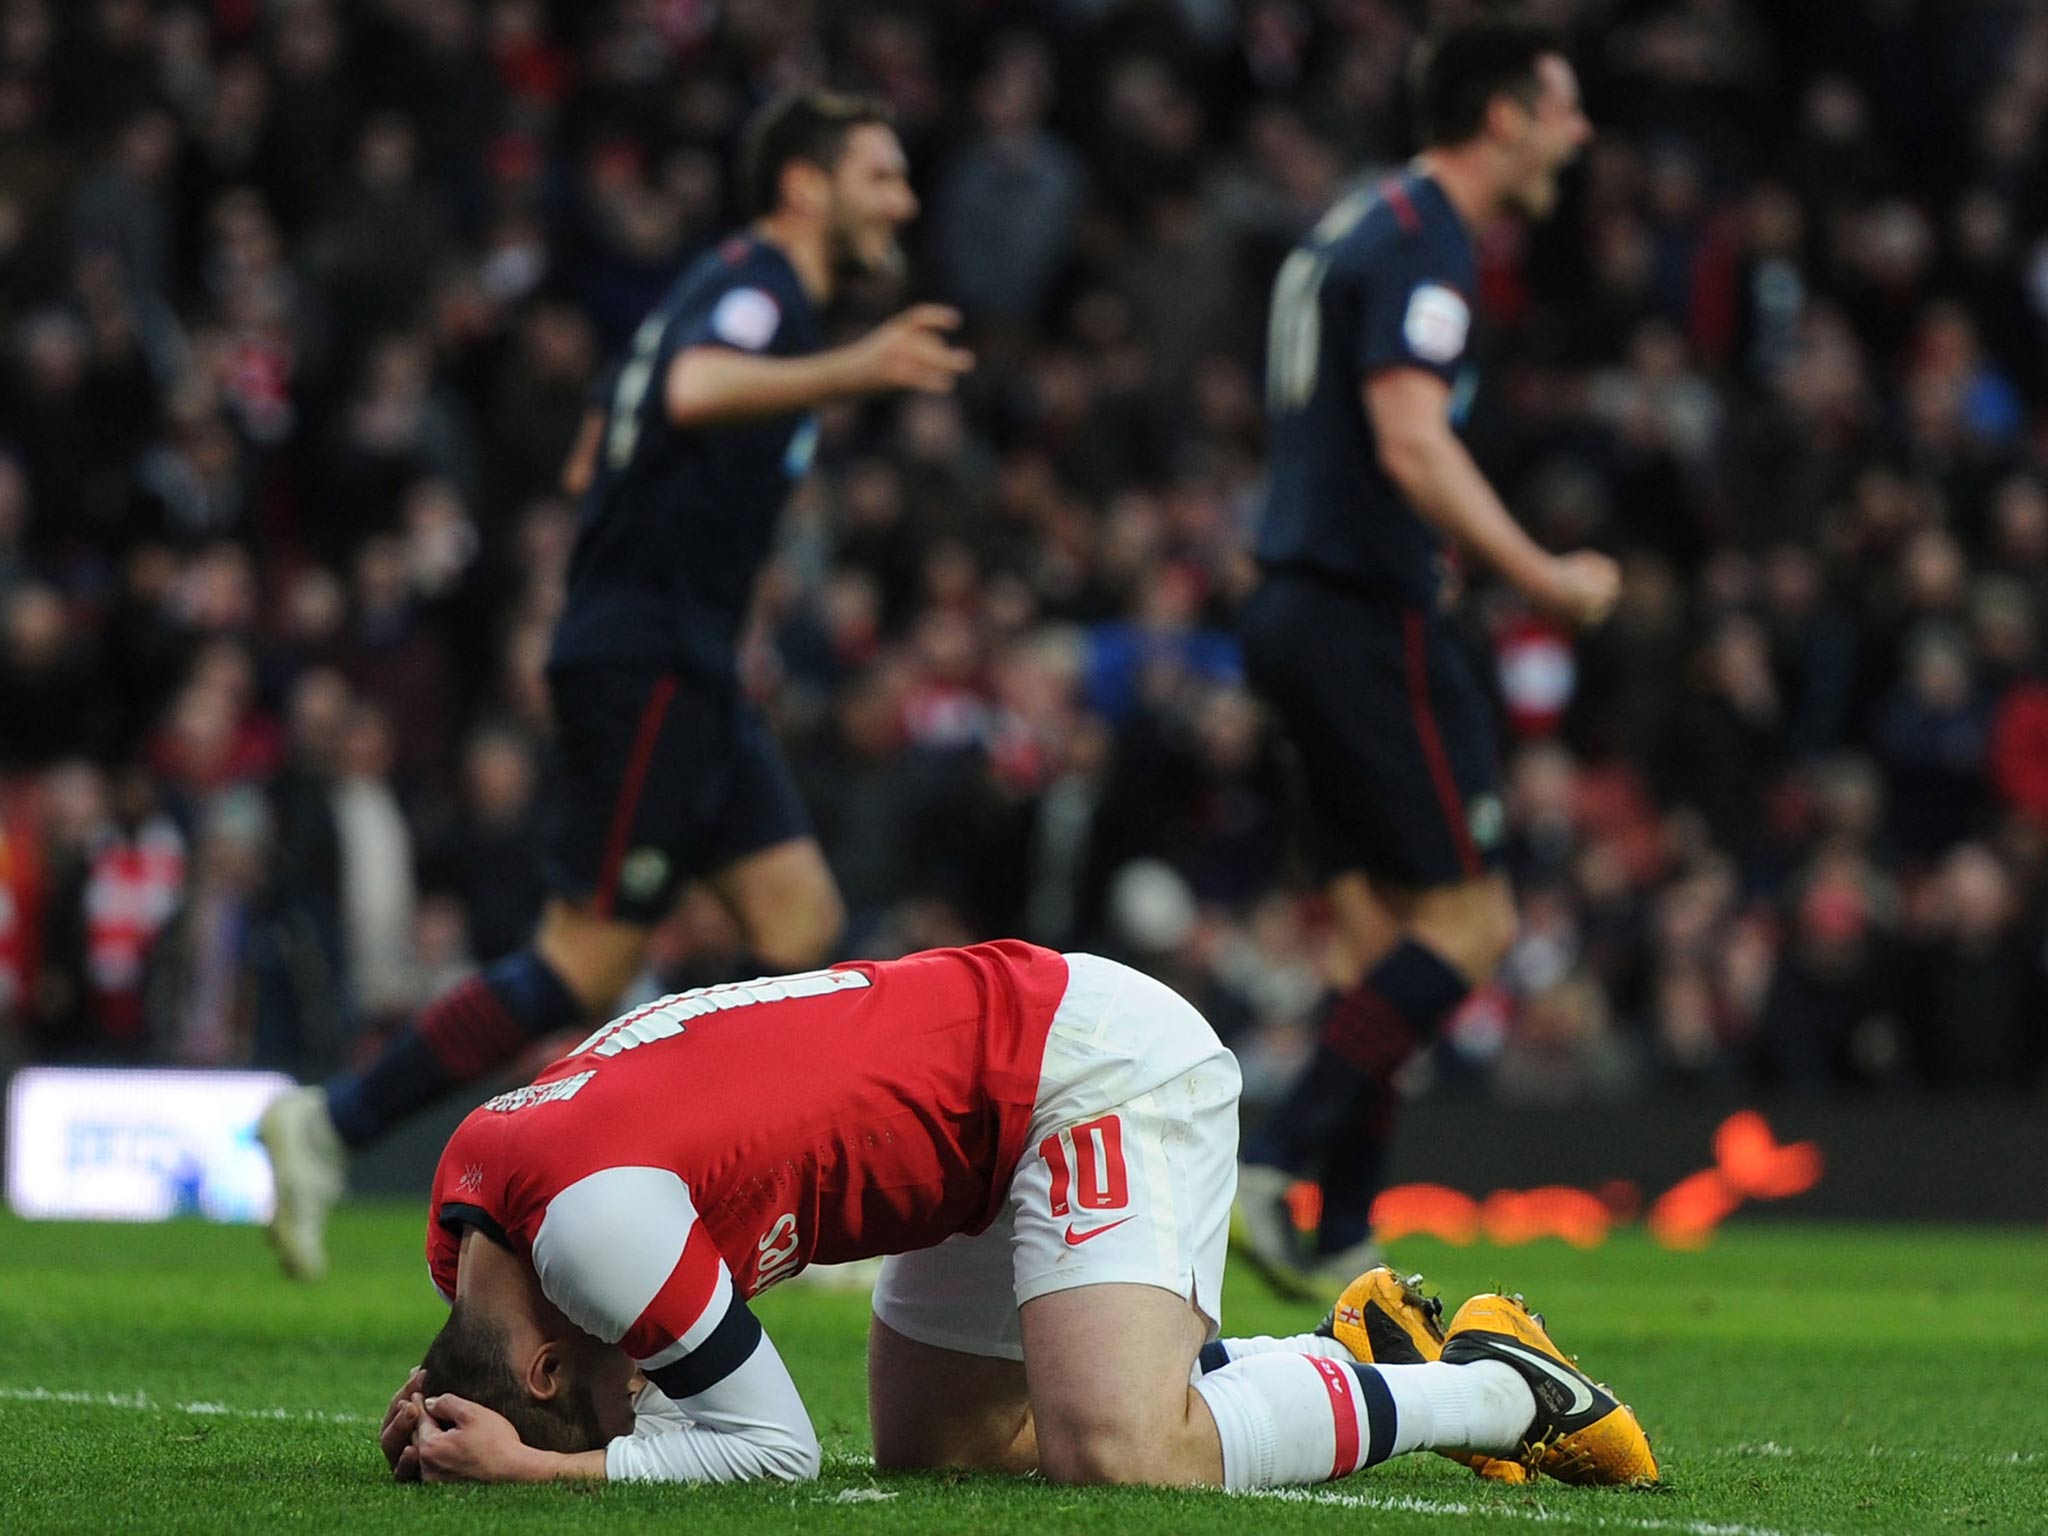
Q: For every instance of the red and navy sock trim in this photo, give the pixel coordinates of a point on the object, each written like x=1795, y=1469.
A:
x=465, y=1033
x=1379, y=1414
x=1343, y=1415
x=470, y=1030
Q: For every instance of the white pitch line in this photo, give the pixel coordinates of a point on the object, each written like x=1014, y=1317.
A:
x=1537, y=1514
x=142, y=1402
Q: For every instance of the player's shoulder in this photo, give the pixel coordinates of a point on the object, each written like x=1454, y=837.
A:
x=522, y=1145
x=745, y=288
x=1395, y=218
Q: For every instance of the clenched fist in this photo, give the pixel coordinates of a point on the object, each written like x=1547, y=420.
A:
x=1581, y=587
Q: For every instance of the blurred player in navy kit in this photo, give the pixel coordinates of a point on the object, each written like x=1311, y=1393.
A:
x=1347, y=638
x=664, y=772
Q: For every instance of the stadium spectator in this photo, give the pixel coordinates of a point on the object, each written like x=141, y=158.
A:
x=300, y=306
x=488, y=858
x=379, y=894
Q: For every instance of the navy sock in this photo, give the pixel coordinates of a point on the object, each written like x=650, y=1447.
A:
x=467, y=1031
x=1341, y=1102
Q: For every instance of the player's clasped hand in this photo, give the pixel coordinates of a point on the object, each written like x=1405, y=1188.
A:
x=457, y=1441
x=913, y=351
x=400, y=1420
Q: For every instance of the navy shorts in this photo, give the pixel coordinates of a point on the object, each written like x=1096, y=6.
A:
x=657, y=779
x=1400, y=773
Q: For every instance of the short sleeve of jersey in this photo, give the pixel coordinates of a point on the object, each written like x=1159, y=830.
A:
x=624, y=1256
x=748, y=316
x=1417, y=313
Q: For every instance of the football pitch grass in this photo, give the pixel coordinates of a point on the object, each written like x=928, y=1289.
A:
x=1795, y=1379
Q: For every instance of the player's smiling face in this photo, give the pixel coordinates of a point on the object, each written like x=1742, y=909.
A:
x=1551, y=130
x=871, y=200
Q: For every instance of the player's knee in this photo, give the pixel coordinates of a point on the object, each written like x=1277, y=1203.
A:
x=800, y=933
x=1493, y=925
x=894, y=1454
x=597, y=981
x=801, y=1463
x=1095, y=1462
x=1081, y=1461
x=970, y=1443
x=1473, y=929
x=1096, y=1451
x=596, y=958
x=899, y=1445
x=912, y=1453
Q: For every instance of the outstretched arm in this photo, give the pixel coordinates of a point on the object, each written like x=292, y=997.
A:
x=711, y=384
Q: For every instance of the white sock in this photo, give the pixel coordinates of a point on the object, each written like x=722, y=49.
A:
x=1287, y=1419
x=1221, y=1352
x=1483, y=1406
x=1290, y=1419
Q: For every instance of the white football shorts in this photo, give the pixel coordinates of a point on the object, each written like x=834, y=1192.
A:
x=1127, y=1176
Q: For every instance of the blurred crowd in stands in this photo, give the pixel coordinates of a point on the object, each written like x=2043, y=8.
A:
x=301, y=302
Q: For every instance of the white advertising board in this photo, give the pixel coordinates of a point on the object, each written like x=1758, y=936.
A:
x=136, y=1144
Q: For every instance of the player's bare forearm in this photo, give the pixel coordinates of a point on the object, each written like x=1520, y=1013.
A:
x=1438, y=476
x=573, y=1467
x=712, y=386
x=1410, y=413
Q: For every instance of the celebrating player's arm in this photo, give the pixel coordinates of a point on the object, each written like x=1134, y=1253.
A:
x=665, y=774
x=709, y=385
x=713, y=383
x=1410, y=412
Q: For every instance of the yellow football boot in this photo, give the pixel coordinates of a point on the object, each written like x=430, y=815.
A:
x=1582, y=1433
x=1386, y=1320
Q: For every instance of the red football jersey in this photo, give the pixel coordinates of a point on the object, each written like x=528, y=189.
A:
x=715, y=1142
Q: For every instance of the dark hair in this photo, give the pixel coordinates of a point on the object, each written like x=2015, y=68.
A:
x=469, y=1358
x=800, y=125
x=1458, y=75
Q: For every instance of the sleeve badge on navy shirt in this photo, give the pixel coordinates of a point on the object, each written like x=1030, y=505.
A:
x=1436, y=323
x=746, y=318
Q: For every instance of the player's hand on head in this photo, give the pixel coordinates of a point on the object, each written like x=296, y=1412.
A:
x=914, y=350
x=1583, y=587
x=401, y=1418
x=458, y=1441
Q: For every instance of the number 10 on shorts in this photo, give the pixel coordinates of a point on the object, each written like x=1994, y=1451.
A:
x=1087, y=1163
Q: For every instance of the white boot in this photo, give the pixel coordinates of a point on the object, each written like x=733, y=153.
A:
x=310, y=1167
